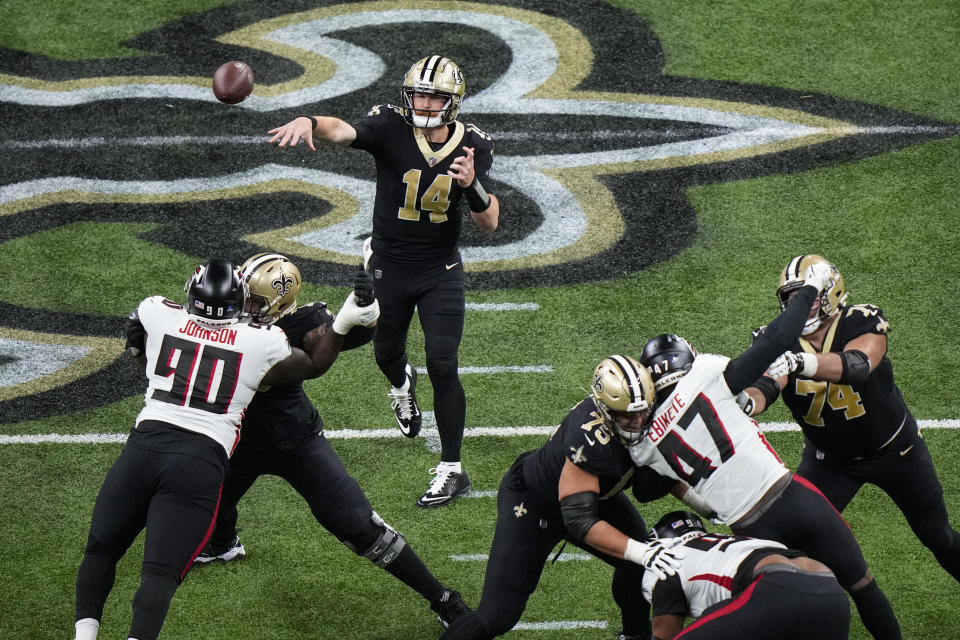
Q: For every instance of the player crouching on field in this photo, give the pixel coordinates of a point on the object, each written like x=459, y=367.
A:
x=741, y=588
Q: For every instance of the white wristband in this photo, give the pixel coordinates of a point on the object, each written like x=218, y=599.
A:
x=809, y=364
x=635, y=550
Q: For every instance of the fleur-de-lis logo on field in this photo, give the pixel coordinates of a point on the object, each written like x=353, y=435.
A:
x=520, y=510
x=282, y=284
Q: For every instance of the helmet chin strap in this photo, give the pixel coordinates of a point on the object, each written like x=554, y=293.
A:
x=811, y=325
x=434, y=120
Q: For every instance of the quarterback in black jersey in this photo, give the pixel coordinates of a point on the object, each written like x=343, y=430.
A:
x=572, y=488
x=283, y=436
x=427, y=163
x=838, y=383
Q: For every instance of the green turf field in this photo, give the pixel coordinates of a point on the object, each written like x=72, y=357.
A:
x=107, y=117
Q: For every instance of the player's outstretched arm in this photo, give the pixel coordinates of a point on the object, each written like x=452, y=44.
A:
x=779, y=335
x=307, y=128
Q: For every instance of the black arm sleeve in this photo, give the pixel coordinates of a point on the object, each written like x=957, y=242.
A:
x=580, y=511
x=648, y=485
x=668, y=597
x=357, y=337
x=779, y=336
x=856, y=367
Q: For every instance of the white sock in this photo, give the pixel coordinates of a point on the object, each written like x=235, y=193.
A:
x=455, y=467
x=87, y=629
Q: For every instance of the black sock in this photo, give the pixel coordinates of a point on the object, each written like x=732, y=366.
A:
x=949, y=558
x=94, y=582
x=628, y=594
x=151, y=602
x=409, y=569
x=876, y=613
x=450, y=408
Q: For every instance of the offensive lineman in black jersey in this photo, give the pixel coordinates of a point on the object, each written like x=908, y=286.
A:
x=572, y=488
x=283, y=436
x=838, y=383
x=427, y=162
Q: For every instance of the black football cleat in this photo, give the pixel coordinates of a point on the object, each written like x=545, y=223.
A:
x=446, y=487
x=405, y=406
x=213, y=554
x=449, y=607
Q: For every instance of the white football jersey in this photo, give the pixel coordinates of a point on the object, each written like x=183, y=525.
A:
x=201, y=378
x=708, y=567
x=700, y=435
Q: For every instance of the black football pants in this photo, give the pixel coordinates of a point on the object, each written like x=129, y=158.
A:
x=781, y=605
x=438, y=295
x=802, y=518
x=316, y=472
x=173, y=495
x=335, y=498
x=522, y=542
x=904, y=472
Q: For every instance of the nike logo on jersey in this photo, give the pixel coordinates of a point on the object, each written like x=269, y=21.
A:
x=451, y=266
x=906, y=451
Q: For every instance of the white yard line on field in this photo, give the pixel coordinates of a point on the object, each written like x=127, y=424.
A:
x=482, y=557
x=365, y=434
x=562, y=625
x=520, y=368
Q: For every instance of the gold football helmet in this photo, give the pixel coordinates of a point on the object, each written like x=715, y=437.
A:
x=273, y=283
x=621, y=385
x=437, y=76
x=831, y=299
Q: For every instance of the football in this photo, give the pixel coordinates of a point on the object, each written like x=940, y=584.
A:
x=233, y=82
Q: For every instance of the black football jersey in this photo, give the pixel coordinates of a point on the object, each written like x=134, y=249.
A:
x=842, y=419
x=283, y=416
x=417, y=213
x=583, y=440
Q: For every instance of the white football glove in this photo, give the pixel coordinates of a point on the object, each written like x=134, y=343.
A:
x=818, y=275
x=804, y=364
x=352, y=315
x=656, y=556
x=367, y=252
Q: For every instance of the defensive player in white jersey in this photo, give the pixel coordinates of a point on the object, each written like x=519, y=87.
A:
x=742, y=588
x=699, y=435
x=203, y=367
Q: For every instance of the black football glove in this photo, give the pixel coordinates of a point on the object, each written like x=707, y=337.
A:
x=363, y=287
x=136, y=334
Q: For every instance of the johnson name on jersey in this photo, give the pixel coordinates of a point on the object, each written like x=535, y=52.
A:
x=202, y=379
x=706, y=574
x=699, y=435
x=843, y=419
x=417, y=216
